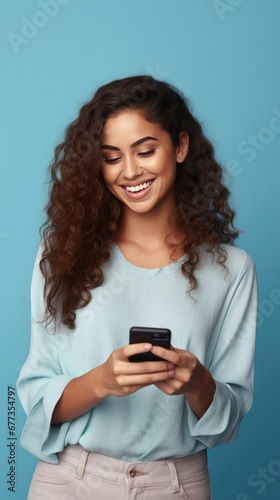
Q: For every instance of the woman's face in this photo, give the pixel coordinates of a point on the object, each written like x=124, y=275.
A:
x=139, y=161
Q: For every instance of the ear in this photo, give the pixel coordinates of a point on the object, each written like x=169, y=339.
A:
x=183, y=147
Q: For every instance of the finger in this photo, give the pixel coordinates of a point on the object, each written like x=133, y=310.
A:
x=144, y=379
x=171, y=355
x=131, y=349
x=145, y=367
x=171, y=386
x=182, y=374
x=164, y=386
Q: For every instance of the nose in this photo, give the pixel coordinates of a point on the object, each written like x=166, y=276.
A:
x=131, y=169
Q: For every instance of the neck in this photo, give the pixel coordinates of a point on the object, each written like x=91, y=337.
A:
x=147, y=229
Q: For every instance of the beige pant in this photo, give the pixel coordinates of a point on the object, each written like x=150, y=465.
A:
x=82, y=475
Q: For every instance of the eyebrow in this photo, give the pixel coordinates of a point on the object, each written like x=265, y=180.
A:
x=133, y=145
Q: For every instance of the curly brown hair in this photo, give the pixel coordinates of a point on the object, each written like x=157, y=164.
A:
x=84, y=216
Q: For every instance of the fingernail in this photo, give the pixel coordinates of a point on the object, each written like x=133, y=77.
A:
x=171, y=373
x=147, y=346
x=170, y=365
x=155, y=348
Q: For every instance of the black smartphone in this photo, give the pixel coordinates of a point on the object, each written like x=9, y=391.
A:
x=155, y=336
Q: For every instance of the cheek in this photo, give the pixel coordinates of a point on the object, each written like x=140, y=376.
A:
x=110, y=189
x=106, y=175
x=109, y=180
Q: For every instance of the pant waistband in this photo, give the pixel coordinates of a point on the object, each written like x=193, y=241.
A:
x=106, y=468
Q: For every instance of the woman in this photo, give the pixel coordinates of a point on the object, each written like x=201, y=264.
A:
x=139, y=232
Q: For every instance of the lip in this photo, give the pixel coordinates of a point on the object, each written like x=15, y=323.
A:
x=138, y=183
x=137, y=195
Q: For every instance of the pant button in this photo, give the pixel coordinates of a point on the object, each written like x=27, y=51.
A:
x=132, y=473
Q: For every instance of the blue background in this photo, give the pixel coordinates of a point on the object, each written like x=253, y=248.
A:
x=225, y=56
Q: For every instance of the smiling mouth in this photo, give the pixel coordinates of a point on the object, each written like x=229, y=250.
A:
x=139, y=187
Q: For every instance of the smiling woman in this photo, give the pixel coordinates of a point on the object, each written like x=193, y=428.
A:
x=140, y=202
x=144, y=170
x=142, y=176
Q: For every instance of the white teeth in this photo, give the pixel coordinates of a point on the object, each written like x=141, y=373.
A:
x=132, y=189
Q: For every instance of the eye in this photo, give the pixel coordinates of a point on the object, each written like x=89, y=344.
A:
x=147, y=153
x=111, y=160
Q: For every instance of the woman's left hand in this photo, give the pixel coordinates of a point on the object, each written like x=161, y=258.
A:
x=190, y=378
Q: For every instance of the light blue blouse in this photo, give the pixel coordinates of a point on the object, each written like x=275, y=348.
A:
x=216, y=323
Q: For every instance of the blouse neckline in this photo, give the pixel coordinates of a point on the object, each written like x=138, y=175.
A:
x=168, y=269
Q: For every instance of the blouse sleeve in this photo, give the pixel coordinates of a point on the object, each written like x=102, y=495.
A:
x=41, y=381
x=232, y=363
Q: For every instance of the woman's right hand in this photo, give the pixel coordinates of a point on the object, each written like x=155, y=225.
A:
x=116, y=377
x=119, y=377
